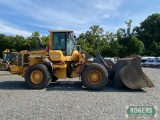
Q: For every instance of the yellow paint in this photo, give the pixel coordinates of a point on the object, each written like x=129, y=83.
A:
x=59, y=66
x=16, y=69
x=24, y=71
x=73, y=57
x=36, y=76
x=23, y=52
x=38, y=53
x=61, y=73
x=34, y=57
x=94, y=77
x=7, y=50
x=35, y=60
x=57, y=55
x=50, y=40
x=75, y=73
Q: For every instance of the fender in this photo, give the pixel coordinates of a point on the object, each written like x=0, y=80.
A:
x=83, y=66
x=48, y=63
x=89, y=58
x=5, y=61
x=98, y=60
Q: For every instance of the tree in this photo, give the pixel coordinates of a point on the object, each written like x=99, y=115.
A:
x=121, y=33
x=36, y=34
x=91, y=41
x=2, y=46
x=135, y=46
x=20, y=43
x=110, y=37
x=128, y=23
x=33, y=41
x=45, y=40
x=130, y=46
x=149, y=30
x=142, y=40
x=114, y=49
x=153, y=49
x=123, y=42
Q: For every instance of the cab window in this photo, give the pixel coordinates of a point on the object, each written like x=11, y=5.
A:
x=59, y=41
x=70, y=43
x=63, y=41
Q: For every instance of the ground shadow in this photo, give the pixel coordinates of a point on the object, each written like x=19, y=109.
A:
x=77, y=86
x=62, y=86
x=65, y=86
x=13, y=85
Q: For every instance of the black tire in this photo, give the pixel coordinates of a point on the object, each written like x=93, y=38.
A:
x=44, y=76
x=5, y=67
x=54, y=78
x=100, y=73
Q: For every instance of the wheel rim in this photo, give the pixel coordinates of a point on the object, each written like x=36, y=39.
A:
x=94, y=77
x=36, y=77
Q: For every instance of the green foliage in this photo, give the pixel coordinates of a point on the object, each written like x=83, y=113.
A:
x=149, y=33
x=128, y=23
x=18, y=43
x=153, y=49
x=36, y=34
x=135, y=46
x=114, y=49
x=45, y=40
x=91, y=41
x=142, y=40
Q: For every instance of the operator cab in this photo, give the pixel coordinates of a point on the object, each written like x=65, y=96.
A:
x=63, y=40
x=7, y=55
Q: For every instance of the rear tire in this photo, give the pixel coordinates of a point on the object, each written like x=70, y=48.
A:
x=5, y=66
x=38, y=76
x=94, y=76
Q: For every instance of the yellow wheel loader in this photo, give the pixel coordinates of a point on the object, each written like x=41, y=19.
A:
x=7, y=60
x=61, y=59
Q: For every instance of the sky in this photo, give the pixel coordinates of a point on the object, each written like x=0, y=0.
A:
x=23, y=17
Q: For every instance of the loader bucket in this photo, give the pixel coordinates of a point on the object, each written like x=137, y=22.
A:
x=127, y=72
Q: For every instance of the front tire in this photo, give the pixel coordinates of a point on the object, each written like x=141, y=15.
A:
x=38, y=76
x=94, y=76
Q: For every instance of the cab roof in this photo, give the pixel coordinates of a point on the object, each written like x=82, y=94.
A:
x=60, y=30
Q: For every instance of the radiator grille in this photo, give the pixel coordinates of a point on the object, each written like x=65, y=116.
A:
x=25, y=60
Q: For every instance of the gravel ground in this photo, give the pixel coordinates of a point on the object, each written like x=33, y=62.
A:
x=69, y=101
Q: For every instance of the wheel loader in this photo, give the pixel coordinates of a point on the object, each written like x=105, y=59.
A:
x=7, y=60
x=63, y=59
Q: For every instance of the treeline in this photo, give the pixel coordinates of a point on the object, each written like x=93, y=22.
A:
x=142, y=40
x=18, y=43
